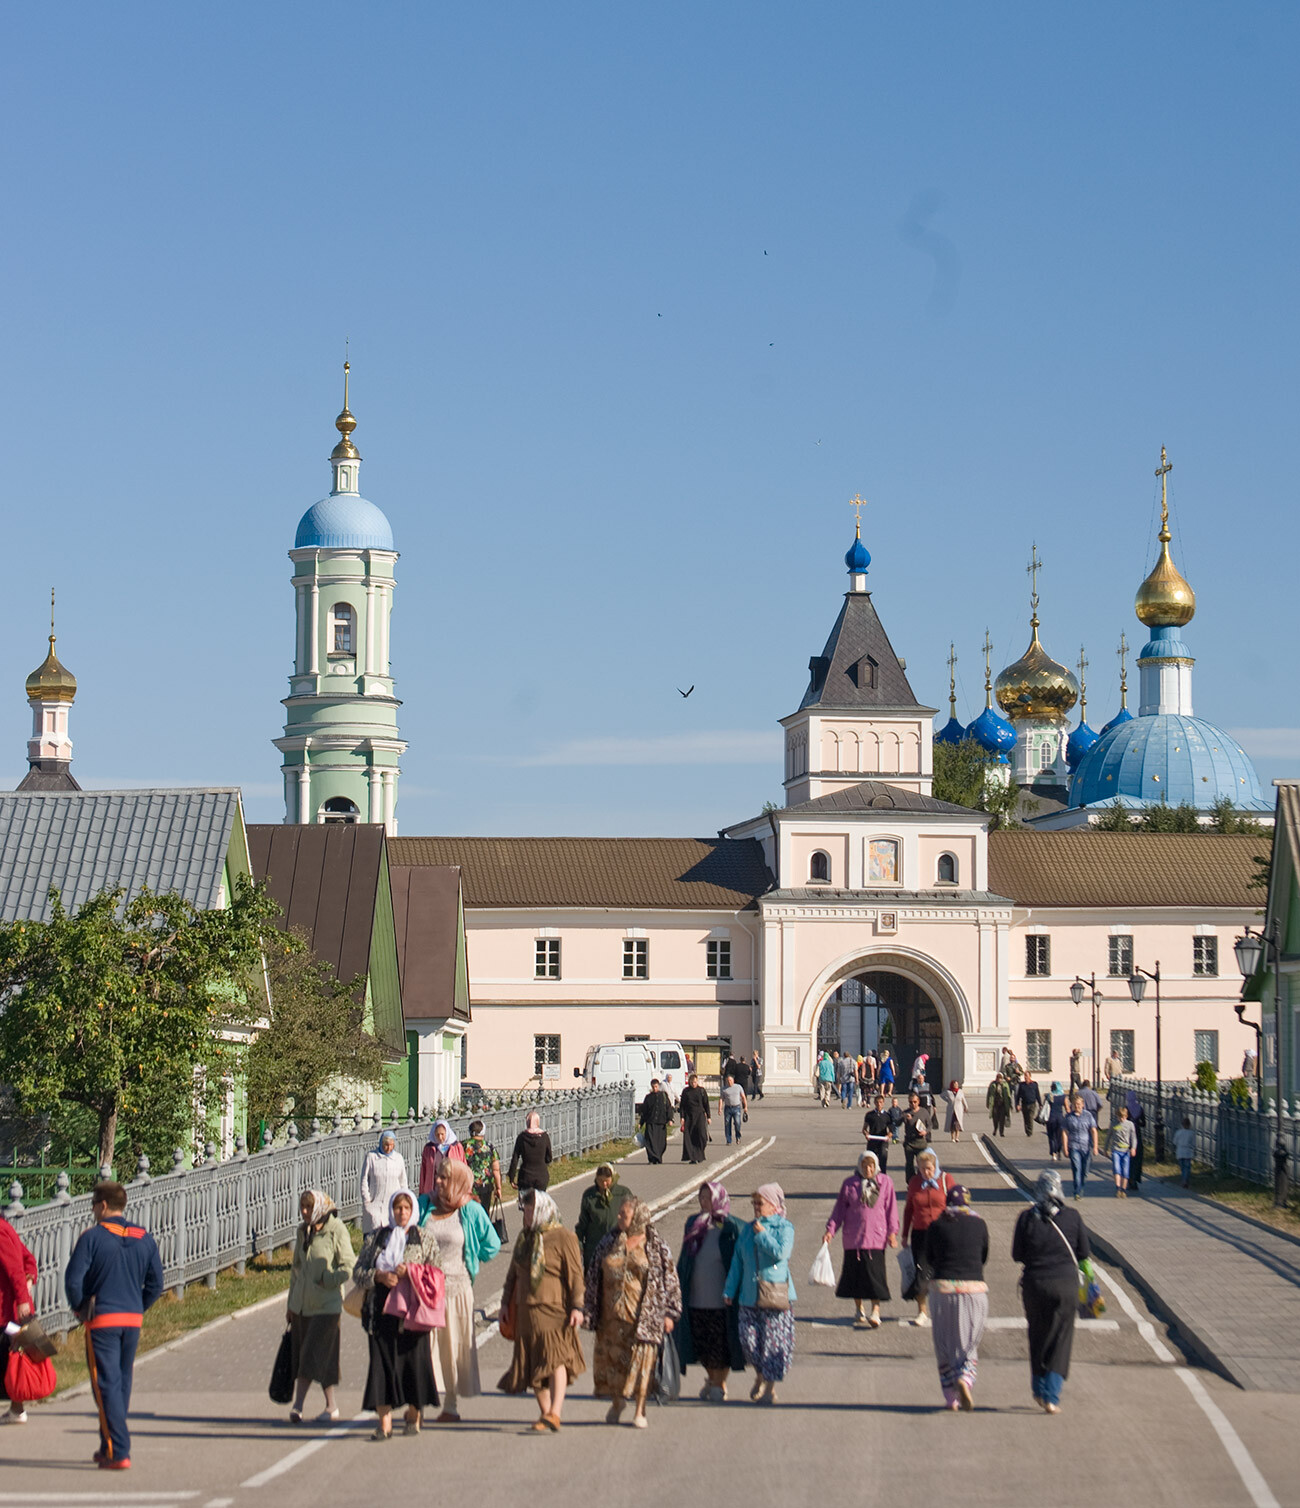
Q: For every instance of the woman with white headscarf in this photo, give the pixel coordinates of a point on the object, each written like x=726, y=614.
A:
x=382, y=1174
x=401, y=1360
x=1051, y=1241
x=443, y=1143
x=866, y=1215
x=759, y=1282
x=322, y=1265
x=541, y=1307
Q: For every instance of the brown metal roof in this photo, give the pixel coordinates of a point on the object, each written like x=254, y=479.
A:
x=426, y=913
x=1129, y=870
x=325, y=878
x=706, y=874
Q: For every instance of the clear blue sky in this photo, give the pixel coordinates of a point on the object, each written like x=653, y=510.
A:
x=638, y=297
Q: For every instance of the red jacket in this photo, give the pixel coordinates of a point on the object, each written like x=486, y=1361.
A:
x=432, y=1158
x=17, y=1265
x=924, y=1206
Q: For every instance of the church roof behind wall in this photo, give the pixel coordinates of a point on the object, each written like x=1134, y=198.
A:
x=1125, y=870
x=858, y=644
x=871, y=796
x=682, y=874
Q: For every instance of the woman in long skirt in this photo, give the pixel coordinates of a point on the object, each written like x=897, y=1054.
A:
x=1050, y=1240
x=322, y=1265
x=959, y=1296
x=955, y=1095
x=696, y=1115
x=762, y=1257
x=1139, y=1118
x=866, y=1215
x=708, y=1333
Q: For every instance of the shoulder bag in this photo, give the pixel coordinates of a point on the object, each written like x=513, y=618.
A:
x=280, y=1388
x=498, y=1218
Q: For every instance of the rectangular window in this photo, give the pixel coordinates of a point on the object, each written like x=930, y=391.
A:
x=718, y=965
x=1120, y=960
x=1038, y=955
x=1121, y=1047
x=636, y=958
x=546, y=960
x=546, y=1050
x=1205, y=956
x=1206, y=1047
x=1038, y=1051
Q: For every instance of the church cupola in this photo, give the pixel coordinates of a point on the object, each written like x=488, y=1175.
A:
x=952, y=731
x=1083, y=737
x=51, y=691
x=1037, y=692
x=858, y=557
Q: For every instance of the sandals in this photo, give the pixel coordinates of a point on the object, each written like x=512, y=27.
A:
x=381, y=1434
x=756, y=1390
x=411, y=1427
x=447, y=1417
x=295, y=1416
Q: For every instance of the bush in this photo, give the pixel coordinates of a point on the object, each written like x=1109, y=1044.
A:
x=1239, y=1092
x=1207, y=1078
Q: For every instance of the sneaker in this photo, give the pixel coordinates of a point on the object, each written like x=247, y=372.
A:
x=921, y=1321
x=14, y=1416
x=122, y=1464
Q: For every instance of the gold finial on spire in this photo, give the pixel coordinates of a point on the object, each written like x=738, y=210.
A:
x=1035, y=565
x=51, y=615
x=952, y=681
x=988, y=670
x=52, y=682
x=857, y=502
x=1162, y=471
x=1083, y=687
x=1036, y=685
x=346, y=422
x=1165, y=600
x=1122, y=652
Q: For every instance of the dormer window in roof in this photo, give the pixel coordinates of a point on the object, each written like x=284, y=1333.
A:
x=864, y=673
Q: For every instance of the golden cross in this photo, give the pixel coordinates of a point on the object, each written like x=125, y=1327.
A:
x=1162, y=471
x=1083, y=685
x=952, y=680
x=1035, y=565
x=857, y=502
x=51, y=612
x=988, y=674
x=1122, y=652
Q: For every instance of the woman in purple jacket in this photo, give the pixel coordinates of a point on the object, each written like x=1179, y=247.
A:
x=866, y=1215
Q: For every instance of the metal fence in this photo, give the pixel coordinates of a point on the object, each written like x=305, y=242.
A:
x=1237, y=1139
x=219, y=1214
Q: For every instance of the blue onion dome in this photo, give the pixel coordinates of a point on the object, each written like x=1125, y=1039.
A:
x=952, y=732
x=992, y=732
x=858, y=557
x=1078, y=744
x=1166, y=757
x=1122, y=716
x=343, y=521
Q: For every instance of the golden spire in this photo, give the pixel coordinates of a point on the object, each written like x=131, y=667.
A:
x=857, y=502
x=1122, y=652
x=1165, y=600
x=988, y=671
x=51, y=681
x=952, y=682
x=1083, y=688
x=1036, y=685
x=1035, y=565
x=346, y=422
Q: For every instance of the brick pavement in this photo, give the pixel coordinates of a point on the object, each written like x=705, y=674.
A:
x=1230, y=1287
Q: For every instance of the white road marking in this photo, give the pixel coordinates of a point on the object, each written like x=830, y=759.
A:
x=999, y=1322
x=1252, y=1478
x=218, y=1503
x=1144, y=1327
x=97, y=1497
x=287, y=1463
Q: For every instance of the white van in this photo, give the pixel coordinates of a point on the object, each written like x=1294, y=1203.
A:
x=670, y=1060
x=612, y=1062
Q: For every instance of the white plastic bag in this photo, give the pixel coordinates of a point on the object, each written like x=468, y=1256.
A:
x=822, y=1272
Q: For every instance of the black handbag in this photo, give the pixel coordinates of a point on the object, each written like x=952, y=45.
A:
x=668, y=1372
x=281, y=1385
x=498, y=1218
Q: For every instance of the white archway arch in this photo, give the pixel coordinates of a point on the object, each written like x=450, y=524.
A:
x=926, y=972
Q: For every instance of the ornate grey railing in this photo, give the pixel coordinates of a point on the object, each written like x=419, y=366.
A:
x=219, y=1214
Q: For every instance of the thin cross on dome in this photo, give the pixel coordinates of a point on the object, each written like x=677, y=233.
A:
x=857, y=502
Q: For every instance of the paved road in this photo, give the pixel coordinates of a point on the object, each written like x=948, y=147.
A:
x=857, y=1407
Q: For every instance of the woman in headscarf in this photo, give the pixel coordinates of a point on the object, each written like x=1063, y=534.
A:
x=959, y=1296
x=1056, y=1122
x=485, y=1165
x=759, y=1282
x=866, y=1215
x=530, y=1162
x=927, y=1198
x=1050, y=1241
x=1139, y=1118
x=632, y=1301
x=599, y=1212
x=443, y=1143
x=465, y=1239
x=709, y=1330
x=696, y=1114
x=401, y=1360
x=544, y=1293
x=955, y=1096
x=382, y=1174
x=322, y=1265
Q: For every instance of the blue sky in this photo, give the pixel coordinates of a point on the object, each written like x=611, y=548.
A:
x=638, y=297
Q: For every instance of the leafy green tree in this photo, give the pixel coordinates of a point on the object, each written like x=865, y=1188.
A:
x=315, y=1054
x=1207, y=1079
x=967, y=774
x=1226, y=818
x=115, y=1009
x=1115, y=818
x=1164, y=818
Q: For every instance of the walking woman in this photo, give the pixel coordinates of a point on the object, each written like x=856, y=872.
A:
x=443, y=1143
x=17, y=1288
x=866, y=1215
x=1056, y=1122
x=1138, y=1117
x=530, y=1161
x=466, y=1240
x=1121, y=1141
x=599, y=1213
x=322, y=1265
x=382, y=1174
x=484, y=1165
x=998, y=1101
x=709, y=1330
x=401, y=1361
x=759, y=1282
x=1050, y=1241
x=959, y=1296
x=632, y=1300
x=656, y=1115
x=542, y=1301
x=955, y=1095
x=696, y=1113
x=927, y=1198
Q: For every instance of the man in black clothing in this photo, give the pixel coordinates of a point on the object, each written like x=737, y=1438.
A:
x=918, y=1122
x=878, y=1129
x=1028, y=1099
x=656, y=1112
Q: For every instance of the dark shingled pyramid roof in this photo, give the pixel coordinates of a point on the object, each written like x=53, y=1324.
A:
x=858, y=669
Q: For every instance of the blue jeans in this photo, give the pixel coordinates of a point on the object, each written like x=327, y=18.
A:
x=1080, y=1157
x=1048, y=1387
x=731, y=1120
x=846, y=1092
x=1185, y=1163
x=1120, y=1162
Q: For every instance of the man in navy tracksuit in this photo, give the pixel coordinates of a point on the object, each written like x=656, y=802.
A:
x=113, y=1276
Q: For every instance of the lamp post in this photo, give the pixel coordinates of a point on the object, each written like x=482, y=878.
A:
x=1253, y=950
x=1137, y=987
x=1078, y=989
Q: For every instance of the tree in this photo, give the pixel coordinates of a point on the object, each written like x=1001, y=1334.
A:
x=967, y=774
x=1226, y=818
x=1115, y=818
x=1163, y=818
x=115, y=1009
x=316, y=1051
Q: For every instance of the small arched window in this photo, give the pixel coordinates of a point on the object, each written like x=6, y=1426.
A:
x=340, y=809
x=819, y=868
x=345, y=629
x=947, y=873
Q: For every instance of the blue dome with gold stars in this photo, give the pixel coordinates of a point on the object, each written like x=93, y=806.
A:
x=1167, y=757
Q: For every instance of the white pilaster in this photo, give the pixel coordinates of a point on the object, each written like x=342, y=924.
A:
x=374, y=812
x=370, y=630
x=390, y=802
x=385, y=611
x=304, y=793
x=313, y=629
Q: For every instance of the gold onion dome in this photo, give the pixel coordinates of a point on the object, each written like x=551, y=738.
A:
x=1036, y=685
x=52, y=681
x=1165, y=600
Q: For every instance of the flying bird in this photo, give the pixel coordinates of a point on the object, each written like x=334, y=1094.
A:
x=680, y=692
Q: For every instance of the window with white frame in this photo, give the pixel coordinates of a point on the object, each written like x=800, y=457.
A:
x=1119, y=963
x=1038, y=955
x=718, y=958
x=946, y=872
x=1121, y=1049
x=546, y=1050
x=636, y=958
x=1038, y=1051
x=1205, y=1048
x=819, y=868
x=345, y=629
x=1205, y=957
x=546, y=960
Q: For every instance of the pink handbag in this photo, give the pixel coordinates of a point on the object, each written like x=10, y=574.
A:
x=419, y=1299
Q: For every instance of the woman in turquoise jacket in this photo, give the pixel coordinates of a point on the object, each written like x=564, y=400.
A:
x=759, y=1282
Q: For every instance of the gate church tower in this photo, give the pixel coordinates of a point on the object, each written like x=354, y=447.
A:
x=341, y=746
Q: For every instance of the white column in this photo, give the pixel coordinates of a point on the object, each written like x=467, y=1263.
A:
x=390, y=801
x=370, y=630
x=374, y=812
x=385, y=608
x=304, y=792
x=299, y=656
x=313, y=637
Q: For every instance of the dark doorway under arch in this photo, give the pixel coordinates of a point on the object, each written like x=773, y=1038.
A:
x=881, y=1008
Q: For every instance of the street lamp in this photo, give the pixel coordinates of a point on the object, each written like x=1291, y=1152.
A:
x=1078, y=989
x=1254, y=950
x=1137, y=987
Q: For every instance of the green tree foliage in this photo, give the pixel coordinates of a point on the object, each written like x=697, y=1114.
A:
x=966, y=774
x=315, y=1056
x=1115, y=818
x=1207, y=1078
x=1226, y=818
x=1184, y=818
x=107, y=1015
